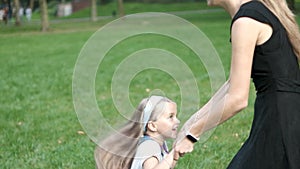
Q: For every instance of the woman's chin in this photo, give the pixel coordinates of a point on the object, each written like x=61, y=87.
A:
x=210, y=3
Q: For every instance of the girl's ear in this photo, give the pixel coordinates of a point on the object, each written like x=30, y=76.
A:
x=151, y=126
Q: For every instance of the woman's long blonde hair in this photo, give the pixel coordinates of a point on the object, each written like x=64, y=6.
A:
x=118, y=150
x=287, y=18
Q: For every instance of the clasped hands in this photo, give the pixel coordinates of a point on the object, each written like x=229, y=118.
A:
x=182, y=146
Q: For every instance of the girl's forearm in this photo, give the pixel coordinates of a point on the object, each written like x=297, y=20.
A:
x=167, y=163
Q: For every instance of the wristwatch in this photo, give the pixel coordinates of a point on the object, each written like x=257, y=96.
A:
x=191, y=137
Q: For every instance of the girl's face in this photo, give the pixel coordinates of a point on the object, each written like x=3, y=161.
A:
x=167, y=123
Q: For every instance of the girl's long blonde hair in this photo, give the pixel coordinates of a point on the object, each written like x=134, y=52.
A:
x=118, y=150
x=287, y=18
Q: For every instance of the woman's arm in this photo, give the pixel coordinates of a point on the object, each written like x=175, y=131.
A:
x=232, y=97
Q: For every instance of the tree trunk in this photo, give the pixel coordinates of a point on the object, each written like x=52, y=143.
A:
x=44, y=15
x=121, y=8
x=17, y=14
x=93, y=10
x=31, y=4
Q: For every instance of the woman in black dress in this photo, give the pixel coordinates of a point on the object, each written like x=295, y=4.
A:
x=265, y=47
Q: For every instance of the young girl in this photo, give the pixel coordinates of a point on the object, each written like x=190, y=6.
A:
x=140, y=144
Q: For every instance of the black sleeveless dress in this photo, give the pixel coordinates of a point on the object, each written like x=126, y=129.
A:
x=274, y=140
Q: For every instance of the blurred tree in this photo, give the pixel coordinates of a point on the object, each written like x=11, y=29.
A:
x=121, y=8
x=16, y=13
x=94, y=10
x=44, y=15
x=31, y=4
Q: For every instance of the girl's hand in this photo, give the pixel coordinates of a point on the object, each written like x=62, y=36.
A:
x=182, y=147
x=173, y=158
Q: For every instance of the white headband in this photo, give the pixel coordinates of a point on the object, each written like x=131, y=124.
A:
x=151, y=104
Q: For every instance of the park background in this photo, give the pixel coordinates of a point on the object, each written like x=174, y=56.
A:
x=39, y=127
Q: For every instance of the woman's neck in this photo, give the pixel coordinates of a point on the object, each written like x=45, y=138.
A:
x=233, y=6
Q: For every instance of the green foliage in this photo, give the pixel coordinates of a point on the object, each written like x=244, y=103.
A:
x=134, y=7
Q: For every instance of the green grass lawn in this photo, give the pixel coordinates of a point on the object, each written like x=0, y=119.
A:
x=39, y=127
